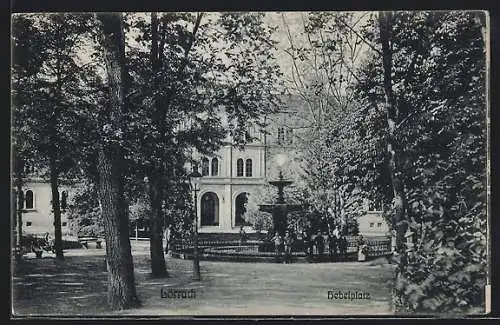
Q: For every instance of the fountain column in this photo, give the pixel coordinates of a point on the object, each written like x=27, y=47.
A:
x=280, y=209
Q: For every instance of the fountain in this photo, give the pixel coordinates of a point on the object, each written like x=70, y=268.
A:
x=280, y=209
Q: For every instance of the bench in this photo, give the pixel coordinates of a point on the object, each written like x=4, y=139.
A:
x=84, y=241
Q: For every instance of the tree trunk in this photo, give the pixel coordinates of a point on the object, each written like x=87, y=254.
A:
x=18, y=204
x=121, y=282
x=19, y=210
x=392, y=113
x=56, y=208
x=158, y=264
x=161, y=105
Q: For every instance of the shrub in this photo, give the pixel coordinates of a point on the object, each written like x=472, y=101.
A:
x=30, y=241
x=446, y=272
x=70, y=243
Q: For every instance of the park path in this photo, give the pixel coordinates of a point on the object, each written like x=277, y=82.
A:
x=77, y=286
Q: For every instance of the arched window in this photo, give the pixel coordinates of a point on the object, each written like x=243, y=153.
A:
x=248, y=168
x=29, y=199
x=239, y=167
x=240, y=208
x=204, y=167
x=215, y=167
x=209, y=209
x=64, y=200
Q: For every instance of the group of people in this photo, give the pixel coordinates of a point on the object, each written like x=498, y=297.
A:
x=283, y=244
x=333, y=242
x=315, y=245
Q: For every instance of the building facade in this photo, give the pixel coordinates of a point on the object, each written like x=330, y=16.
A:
x=230, y=177
x=233, y=175
x=38, y=217
x=372, y=224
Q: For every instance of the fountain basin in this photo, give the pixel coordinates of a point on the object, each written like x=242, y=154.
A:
x=249, y=252
x=279, y=212
x=282, y=207
x=280, y=182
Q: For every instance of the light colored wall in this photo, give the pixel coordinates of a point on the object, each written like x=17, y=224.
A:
x=374, y=217
x=41, y=217
x=227, y=188
x=250, y=152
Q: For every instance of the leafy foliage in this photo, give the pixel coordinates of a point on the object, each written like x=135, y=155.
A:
x=336, y=158
x=84, y=213
x=438, y=81
x=46, y=83
x=45, y=89
x=212, y=76
x=260, y=220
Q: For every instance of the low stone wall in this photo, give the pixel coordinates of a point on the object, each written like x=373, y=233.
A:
x=252, y=250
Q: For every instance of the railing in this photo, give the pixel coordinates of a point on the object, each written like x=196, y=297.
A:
x=377, y=246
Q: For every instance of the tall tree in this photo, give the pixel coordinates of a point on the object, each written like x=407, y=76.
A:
x=393, y=117
x=44, y=83
x=325, y=51
x=153, y=190
x=191, y=94
x=435, y=63
x=24, y=67
x=121, y=281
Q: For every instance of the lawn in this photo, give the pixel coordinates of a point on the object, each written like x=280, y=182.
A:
x=77, y=286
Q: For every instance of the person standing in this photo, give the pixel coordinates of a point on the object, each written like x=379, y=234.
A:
x=342, y=245
x=332, y=246
x=336, y=232
x=320, y=245
x=243, y=236
x=278, y=244
x=307, y=243
x=169, y=238
x=361, y=249
x=325, y=242
x=288, y=247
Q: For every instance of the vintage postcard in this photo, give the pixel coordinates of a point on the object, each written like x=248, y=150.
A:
x=257, y=164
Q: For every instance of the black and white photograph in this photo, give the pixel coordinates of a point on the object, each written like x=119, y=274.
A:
x=250, y=163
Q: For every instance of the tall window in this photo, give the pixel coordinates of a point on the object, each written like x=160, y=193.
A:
x=209, y=209
x=248, y=168
x=29, y=200
x=239, y=167
x=281, y=135
x=204, y=167
x=241, y=208
x=215, y=167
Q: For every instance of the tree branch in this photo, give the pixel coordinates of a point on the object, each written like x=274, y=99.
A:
x=360, y=37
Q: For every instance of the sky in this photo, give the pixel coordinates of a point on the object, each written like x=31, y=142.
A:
x=294, y=22
x=291, y=20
